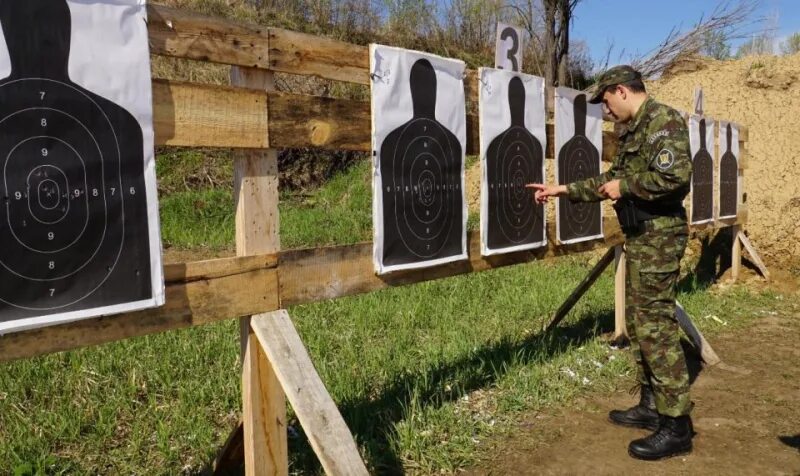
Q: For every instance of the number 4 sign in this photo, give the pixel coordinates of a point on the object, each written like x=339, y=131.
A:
x=508, y=49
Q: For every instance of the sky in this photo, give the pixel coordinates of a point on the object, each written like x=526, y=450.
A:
x=639, y=26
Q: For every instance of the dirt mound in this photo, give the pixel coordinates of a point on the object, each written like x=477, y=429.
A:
x=762, y=93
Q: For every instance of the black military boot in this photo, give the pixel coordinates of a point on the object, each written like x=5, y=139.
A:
x=673, y=437
x=643, y=415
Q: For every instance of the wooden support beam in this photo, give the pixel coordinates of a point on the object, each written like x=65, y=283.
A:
x=190, y=114
x=584, y=286
x=620, y=328
x=196, y=294
x=753, y=254
x=700, y=343
x=197, y=115
x=325, y=273
x=323, y=424
x=256, y=194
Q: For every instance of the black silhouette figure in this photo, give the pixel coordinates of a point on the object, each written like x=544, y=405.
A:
x=728, y=179
x=74, y=230
x=420, y=166
x=702, y=180
x=513, y=159
x=578, y=160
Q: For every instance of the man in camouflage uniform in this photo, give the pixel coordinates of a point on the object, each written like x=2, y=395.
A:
x=648, y=181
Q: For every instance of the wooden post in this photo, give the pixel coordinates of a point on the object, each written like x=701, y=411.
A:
x=620, y=330
x=256, y=194
x=326, y=430
x=584, y=286
x=736, y=253
x=700, y=343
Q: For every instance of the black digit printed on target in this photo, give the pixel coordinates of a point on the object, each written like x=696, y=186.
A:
x=74, y=230
x=513, y=159
x=728, y=179
x=578, y=159
x=702, y=180
x=421, y=163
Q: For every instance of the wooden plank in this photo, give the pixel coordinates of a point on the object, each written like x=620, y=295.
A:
x=584, y=286
x=620, y=328
x=300, y=53
x=186, y=34
x=736, y=253
x=754, y=256
x=313, y=121
x=706, y=351
x=325, y=273
x=256, y=195
x=217, y=268
x=187, y=304
x=323, y=424
x=263, y=419
x=198, y=115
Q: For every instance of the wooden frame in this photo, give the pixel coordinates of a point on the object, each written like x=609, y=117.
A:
x=262, y=280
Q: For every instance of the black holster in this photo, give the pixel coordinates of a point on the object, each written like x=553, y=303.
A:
x=633, y=213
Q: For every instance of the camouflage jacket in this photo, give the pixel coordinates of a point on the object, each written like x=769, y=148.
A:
x=653, y=161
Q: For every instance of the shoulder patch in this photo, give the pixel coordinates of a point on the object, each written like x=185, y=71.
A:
x=653, y=137
x=665, y=159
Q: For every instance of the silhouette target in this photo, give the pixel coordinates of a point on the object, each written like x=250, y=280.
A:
x=73, y=230
x=420, y=164
x=513, y=159
x=728, y=179
x=702, y=180
x=578, y=159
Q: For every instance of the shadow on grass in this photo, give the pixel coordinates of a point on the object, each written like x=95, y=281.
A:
x=372, y=418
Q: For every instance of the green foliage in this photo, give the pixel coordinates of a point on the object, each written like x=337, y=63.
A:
x=791, y=45
x=715, y=45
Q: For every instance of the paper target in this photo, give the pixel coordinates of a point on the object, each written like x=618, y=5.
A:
x=419, y=138
x=512, y=138
x=79, y=229
x=728, y=170
x=701, y=140
x=579, y=144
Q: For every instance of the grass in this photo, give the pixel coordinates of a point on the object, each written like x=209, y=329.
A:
x=423, y=374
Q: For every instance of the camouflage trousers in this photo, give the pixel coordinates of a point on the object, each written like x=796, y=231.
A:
x=653, y=260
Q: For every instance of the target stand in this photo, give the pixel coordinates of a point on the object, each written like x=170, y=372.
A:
x=74, y=234
x=421, y=164
x=514, y=158
x=578, y=159
x=728, y=179
x=702, y=180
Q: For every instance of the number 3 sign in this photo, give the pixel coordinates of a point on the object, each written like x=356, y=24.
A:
x=508, y=49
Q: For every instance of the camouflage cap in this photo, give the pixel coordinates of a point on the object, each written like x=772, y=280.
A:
x=611, y=77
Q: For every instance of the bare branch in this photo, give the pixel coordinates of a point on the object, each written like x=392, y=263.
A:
x=734, y=20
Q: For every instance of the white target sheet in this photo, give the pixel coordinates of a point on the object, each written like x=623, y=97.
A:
x=701, y=143
x=419, y=141
x=512, y=144
x=79, y=232
x=578, y=151
x=729, y=184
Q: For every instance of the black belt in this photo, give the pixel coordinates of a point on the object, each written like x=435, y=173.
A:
x=632, y=214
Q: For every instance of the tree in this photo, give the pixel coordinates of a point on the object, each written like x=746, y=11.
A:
x=555, y=20
x=791, y=45
x=757, y=45
x=715, y=45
